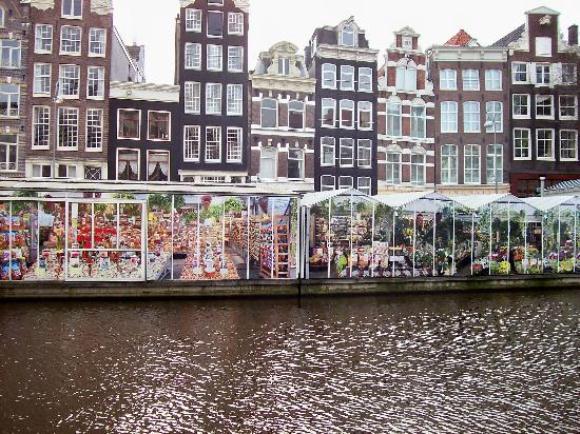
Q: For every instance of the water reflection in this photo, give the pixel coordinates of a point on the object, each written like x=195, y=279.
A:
x=493, y=363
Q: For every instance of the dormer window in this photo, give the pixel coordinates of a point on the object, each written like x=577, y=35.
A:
x=544, y=47
x=347, y=36
x=283, y=66
x=407, y=43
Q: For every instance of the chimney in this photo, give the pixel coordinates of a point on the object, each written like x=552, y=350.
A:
x=573, y=35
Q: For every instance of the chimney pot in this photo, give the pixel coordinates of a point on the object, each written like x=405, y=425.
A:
x=573, y=35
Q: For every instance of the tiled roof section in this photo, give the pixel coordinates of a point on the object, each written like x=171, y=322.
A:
x=461, y=39
x=514, y=36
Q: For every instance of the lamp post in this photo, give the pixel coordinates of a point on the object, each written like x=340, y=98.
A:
x=492, y=121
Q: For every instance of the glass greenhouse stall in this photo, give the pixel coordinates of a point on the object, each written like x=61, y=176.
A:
x=497, y=235
x=560, y=241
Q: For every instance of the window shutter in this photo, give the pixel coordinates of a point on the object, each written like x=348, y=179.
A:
x=532, y=78
x=556, y=73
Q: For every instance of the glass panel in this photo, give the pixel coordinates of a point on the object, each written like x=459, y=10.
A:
x=159, y=236
x=424, y=230
x=340, y=237
x=318, y=240
x=261, y=238
x=517, y=240
x=402, y=252
x=362, y=238
x=51, y=240
x=444, y=242
x=383, y=237
x=481, y=242
x=567, y=247
x=499, y=263
x=465, y=237
x=551, y=250
x=24, y=240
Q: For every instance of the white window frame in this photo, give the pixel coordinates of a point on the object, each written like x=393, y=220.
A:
x=232, y=67
x=61, y=79
x=450, y=125
x=543, y=50
x=72, y=41
x=15, y=54
x=517, y=145
x=365, y=80
x=541, y=69
x=192, y=56
x=392, y=180
x=58, y=132
x=213, y=56
x=575, y=148
x=331, y=144
x=328, y=68
x=5, y=165
x=495, y=117
x=470, y=125
x=190, y=143
x=574, y=74
x=551, y=99
x=236, y=23
x=274, y=109
x=88, y=124
x=353, y=120
x=364, y=189
x=41, y=166
x=212, y=102
x=302, y=111
x=36, y=126
x=100, y=80
x=191, y=102
x=469, y=169
x=347, y=70
x=492, y=170
x=470, y=77
x=348, y=29
x=345, y=161
x=398, y=116
x=553, y=146
x=231, y=156
x=148, y=160
x=42, y=76
x=330, y=180
x=70, y=13
x=528, y=105
x=300, y=163
x=515, y=73
x=364, y=145
x=328, y=102
x=210, y=13
x=451, y=177
x=219, y=146
x=448, y=79
x=11, y=97
x=119, y=111
x=133, y=150
x=416, y=166
x=560, y=106
x=361, y=109
x=422, y=120
x=193, y=20
x=345, y=182
x=166, y=112
x=40, y=37
x=100, y=43
x=235, y=105
x=493, y=83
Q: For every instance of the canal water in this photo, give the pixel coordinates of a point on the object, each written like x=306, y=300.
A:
x=494, y=363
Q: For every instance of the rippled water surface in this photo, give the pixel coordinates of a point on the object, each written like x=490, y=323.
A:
x=423, y=364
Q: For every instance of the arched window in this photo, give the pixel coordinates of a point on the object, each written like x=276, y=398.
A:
x=347, y=36
x=296, y=115
x=406, y=75
x=472, y=164
x=449, y=164
x=269, y=113
x=295, y=163
x=418, y=165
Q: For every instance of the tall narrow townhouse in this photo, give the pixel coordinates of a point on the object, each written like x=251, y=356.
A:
x=406, y=109
x=471, y=86
x=68, y=72
x=212, y=65
x=544, y=102
x=345, y=142
x=282, y=119
x=14, y=26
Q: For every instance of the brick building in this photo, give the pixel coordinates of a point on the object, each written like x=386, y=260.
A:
x=14, y=25
x=471, y=86
x=68, y=74
x=282, y=118
x=406, y=110
x=543, y=79
x=145, y=142
x=345, y=142
x=211, y=70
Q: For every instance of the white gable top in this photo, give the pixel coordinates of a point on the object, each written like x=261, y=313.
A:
x=542, y=10
x=244, y=5
x=99, y=7
x=420, y=201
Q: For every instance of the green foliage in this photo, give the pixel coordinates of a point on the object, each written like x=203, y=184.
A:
x=160, y=202
x=233, y=205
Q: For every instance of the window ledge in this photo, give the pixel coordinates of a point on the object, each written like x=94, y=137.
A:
x=75, y=149
x=129, y=138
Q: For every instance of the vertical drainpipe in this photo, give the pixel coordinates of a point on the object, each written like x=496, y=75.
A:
x=542, y=185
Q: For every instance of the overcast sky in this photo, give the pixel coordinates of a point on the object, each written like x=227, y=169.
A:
x=152, y=22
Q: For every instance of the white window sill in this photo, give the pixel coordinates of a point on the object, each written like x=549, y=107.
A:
x=569, y=160
x=71, y=17
x=159, y=140
x=73, y=149
x=94, y=150
x=97, y=55
x=38, y=148
x=234, y=161
x=235, y=71
x=96, y=98
x=517, y=117
x=235, y=33
x=41, y=95
x=215, y=69
x=191, y=68
x=193, y=30
x=129, y=138
x=546, y=118
x=42, y=52
x=568, y=118
x=213, y=161
x=69, y=96
x=234, y=114
x=546, y=159
x=213, y=114
x=522, y=158
x=189, y=160
x=71, y=54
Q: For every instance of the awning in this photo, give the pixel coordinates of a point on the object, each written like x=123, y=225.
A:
x=312, y=199
x=549, y=203
x=477, y=202
x=420, y=201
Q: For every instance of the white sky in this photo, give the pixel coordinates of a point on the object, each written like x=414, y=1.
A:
x=152, y=22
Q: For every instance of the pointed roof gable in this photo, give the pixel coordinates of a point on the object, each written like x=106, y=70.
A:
x=542, y=10
x=407, y=31
x=462, y=39
x=511, y=37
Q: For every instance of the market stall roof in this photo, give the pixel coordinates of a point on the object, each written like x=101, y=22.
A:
x=477, y=202
x=551, y=202
x=76, y=188
x=565, y=187
x=310, y=199
x=420, y=201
